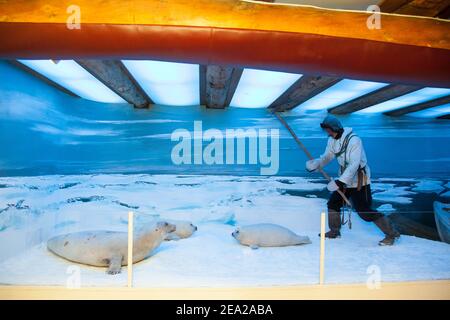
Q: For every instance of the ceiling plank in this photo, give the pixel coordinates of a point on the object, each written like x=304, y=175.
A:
x=116, y=77
x=217, y=85
x=42, y=78
x=202, y=79
x=378, y=96
x=235, y=77
x=419, y=107
x=426, y=8
x=302, y=90
x=444, y=14
x=390, y=6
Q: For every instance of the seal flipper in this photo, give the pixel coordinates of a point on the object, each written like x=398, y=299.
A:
x=115, y=264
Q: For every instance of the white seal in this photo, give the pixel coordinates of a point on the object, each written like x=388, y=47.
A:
x=268, y=235
x=184, y=229
x=108, y=248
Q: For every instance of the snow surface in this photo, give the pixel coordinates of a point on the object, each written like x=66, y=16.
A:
x=211, y=257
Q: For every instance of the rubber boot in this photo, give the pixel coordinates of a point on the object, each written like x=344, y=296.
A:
x=385, y=225
x=334, y=223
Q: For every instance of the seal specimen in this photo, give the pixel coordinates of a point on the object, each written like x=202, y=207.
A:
x=268, y=235
x=108, y=248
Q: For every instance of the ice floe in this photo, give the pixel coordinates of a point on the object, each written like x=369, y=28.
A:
x=386, y=208
x=389, y=192
x=428, y=186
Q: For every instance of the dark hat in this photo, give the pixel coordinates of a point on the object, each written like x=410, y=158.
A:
x=331, y=122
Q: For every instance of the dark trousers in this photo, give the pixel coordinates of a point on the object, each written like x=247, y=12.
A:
x=361, y=201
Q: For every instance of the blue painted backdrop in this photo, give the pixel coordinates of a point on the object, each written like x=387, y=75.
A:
x=44, y=131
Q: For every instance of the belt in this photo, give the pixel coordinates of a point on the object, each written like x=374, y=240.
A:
x=362, y=177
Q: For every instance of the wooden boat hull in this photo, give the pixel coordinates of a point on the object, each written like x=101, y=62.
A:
x=442, y=217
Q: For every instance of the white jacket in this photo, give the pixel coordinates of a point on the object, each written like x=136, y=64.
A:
x=355, y=157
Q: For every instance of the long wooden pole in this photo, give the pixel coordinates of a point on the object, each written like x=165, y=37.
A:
x=130, y=250
x=302, y=146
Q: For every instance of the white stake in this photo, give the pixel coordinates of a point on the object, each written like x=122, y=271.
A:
x=130, y=249
x=322, y=247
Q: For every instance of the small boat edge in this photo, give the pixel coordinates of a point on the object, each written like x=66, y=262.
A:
x=442, y=217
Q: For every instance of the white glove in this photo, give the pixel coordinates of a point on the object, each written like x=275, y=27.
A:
x=332, y=186
x=335, y=185
x=312, y=165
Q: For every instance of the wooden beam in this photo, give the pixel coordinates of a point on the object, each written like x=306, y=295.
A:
x=235, y=77
x=445, y=116
x=302, y=90
x=419, y=107
x=426, y=8
x=390, y=6
x=42, y=78
x=115, y=76
x=202, y=85
x=232, y=33
x=445, y=14
x=230, y=14
x=217, y=85
x=378, y=96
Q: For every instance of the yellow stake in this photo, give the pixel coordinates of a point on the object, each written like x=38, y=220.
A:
x=322, y=247
x=130, y=249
